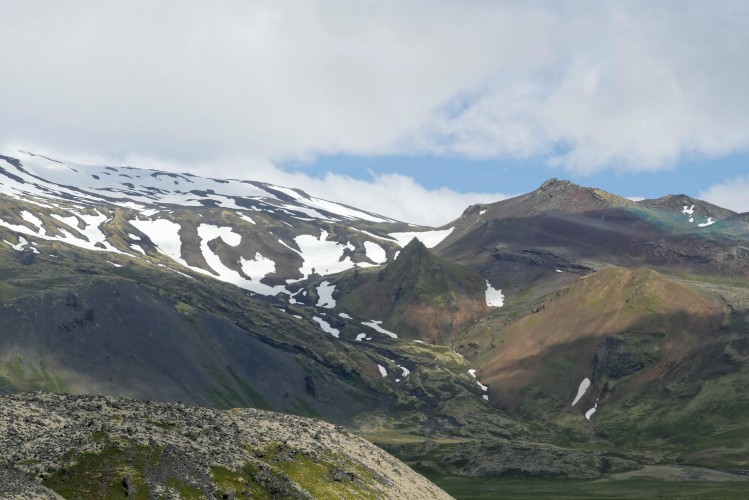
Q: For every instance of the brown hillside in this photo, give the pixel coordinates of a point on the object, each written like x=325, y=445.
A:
x=547, y=354
x=417, y=295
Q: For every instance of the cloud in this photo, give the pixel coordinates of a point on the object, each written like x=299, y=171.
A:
x=587, y=85
x=732, y=194
x=393, y=195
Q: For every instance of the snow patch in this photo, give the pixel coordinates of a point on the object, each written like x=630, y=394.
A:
x=326, y=327
x=207, y=233
x=20, y=245
x=164, y=234
x=709, y=222
x=383, y=371
x=584, y=385
x=257, y=268
x=472, y=373
x=138, y=248
x=210, y=232
x=325, y=294
x=344, y=316
x=375, y=252
x=246, y=218
x=375, y=325
x=494, y=297
x=590, y=412
x=688, y=210
x=322, y=256
x=33, y=220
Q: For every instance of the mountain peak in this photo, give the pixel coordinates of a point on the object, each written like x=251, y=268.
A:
x=558, y=183
x=566, y=196
x=415, y=246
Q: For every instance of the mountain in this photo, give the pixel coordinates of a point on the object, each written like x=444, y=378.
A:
x=459, y=349
x=418, y=295
x=94, y=446
x=164, y=295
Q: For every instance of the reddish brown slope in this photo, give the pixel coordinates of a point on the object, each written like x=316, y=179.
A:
x=647, y=323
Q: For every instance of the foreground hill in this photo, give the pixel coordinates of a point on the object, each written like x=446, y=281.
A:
x=93, y=446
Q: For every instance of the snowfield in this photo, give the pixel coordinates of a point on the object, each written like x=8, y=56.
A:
x=322, y=256
x=430, y=239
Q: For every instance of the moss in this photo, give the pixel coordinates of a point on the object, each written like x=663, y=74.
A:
x=101, y=475
x=99, y=436
x=186, y=310
x=185, y=490
x=324, y=477
x=227, y=480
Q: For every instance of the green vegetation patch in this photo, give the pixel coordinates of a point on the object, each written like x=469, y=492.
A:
x=186, y=491
x=246, y=480
x=323, y=477
x=15, y=375
x=112, y=473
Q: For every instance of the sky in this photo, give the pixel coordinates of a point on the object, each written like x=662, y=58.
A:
x=413, y=109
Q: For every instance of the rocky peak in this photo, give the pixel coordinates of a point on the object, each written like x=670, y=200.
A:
x=555, y=183
x=415, y=248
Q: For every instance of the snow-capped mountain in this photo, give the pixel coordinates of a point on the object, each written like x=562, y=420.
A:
x=255, y=235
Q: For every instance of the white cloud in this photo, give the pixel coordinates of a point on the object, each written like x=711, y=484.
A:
x=393, y=195
x=590, y=85
x=732, y=194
